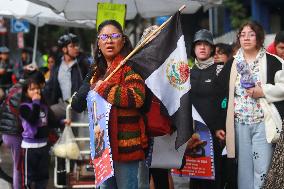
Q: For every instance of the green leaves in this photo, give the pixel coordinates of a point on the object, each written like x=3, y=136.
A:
x=238, y=13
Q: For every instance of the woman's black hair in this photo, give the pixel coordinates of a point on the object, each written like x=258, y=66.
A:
x=99, y=59
x=51, y=56
x=36, y=78
x=279, y=38
x=110, y=22
x=34, y=74
x=225, y=49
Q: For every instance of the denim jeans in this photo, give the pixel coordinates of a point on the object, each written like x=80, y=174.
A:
x=143, y=176
x=125, y=176
x=254, y=155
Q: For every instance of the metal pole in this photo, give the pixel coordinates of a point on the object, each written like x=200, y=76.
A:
x=211, y=28
x=35, y=46
x=215, y=21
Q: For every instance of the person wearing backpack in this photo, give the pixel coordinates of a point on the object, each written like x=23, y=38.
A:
x=10, y=124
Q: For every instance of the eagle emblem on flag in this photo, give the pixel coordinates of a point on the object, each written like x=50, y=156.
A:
x=178, y=73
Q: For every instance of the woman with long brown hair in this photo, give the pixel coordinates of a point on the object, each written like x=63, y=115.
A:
x=255, y=106
x=125, y=90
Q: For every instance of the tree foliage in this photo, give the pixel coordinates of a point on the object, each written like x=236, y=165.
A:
x=238, y=13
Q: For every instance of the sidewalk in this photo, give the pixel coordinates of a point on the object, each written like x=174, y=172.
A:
x=7, y=166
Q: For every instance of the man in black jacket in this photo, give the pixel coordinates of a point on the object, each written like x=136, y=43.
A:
x=67, y=75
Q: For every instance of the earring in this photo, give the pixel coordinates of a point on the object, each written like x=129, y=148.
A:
x=99, y=53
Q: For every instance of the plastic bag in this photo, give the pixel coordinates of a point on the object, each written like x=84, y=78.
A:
x=66, y=146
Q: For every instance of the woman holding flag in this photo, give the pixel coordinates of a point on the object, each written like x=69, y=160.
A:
x=125, y=90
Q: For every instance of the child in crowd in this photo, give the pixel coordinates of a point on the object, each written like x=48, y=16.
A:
x=36, y=118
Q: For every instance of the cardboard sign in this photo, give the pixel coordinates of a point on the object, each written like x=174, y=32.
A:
x=110, y=11
x=199, y=155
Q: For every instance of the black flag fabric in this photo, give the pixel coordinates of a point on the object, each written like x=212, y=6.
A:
x=163, y=65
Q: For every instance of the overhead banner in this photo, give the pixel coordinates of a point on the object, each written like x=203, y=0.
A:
x=110, y=11
x=98, y=112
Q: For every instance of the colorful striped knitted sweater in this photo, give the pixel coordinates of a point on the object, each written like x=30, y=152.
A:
x=125, y=90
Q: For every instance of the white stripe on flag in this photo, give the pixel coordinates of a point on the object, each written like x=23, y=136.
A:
x=196, y=116
x=159, y=83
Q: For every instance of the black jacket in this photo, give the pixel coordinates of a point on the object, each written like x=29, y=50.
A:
x=221, y=86
x=52, y=91
x=79, y=103
x=204, y=95
x=9, y=117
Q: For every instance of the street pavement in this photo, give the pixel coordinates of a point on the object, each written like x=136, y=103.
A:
x=6, y=165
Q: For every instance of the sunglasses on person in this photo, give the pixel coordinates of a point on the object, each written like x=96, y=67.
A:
x=112, y=36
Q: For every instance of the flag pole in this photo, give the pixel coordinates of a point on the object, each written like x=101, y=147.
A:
x=142, y=44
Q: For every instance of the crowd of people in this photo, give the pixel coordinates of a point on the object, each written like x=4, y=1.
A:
x=33, y=103
x=237, y=89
